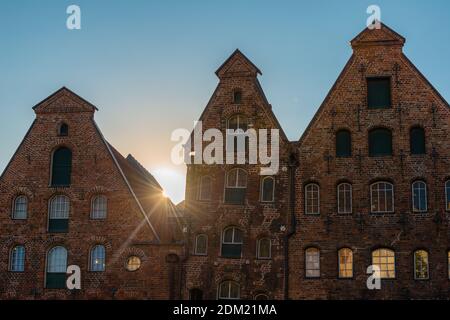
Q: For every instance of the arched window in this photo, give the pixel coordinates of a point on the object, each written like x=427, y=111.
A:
x=419, y=196
x=99, y=207
x=17, y=259
x=382, y=197
x=264, y=248
x=267, y=189
x=56, y=268
x=421, y=268
x=312, y=199
x=345, y=258
x=385, y=260
x=447, y=195
x=261, y=296
x=237, y=138
x=312, y=262
x=380, y=142
x=20, y=207
x=61, y=167
x=98, y=259
x=201, y=244
x=195, y=294
x=59, y=214
x=344, y=195
x=229, y=290
x=237, y=96
x=232, y=243
x=236, y=186
x=417, y=140
x=343, y=143
x=204, y=193
x=237, y=121
x=63, y=130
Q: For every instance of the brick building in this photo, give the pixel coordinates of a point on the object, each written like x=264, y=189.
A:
x=68, y=197
x=367, y=183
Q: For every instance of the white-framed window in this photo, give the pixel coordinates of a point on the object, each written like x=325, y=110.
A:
x=264, y=248
x=229, y=290
x=419, y=196
x=17, y=259
x=201, y=245
x=345, y=256
x=447, y=195
x=59, y=214
x=421, y=267
x=312, y=263
x=232, y=243
x=267, y=189
x=382, y=197
x=98, y=258
x=312, y=198
x=133, y=263
x=385, y=260
x=344, y=195
x=205, y=188
x=235, y=186
x=56, y=268
x=99, y=207
x=20, y=208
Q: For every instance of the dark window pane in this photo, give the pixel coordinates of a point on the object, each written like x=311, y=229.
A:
x=380, y=142
x=196, y=294
x=343, y=144
x=268, y=188
x=417, y=141
x=231, y=250
x=58, y=225
x=235, y=195
x=378, y=93
x=61, y=167
x=55, y=280
x=64, y=130
x=237, y=96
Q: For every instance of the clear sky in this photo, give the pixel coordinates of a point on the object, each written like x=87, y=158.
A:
x=149, y=65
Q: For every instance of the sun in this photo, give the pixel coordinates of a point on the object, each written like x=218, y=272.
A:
x=164, y=194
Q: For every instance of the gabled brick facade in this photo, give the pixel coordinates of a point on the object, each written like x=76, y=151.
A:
x=133, y=225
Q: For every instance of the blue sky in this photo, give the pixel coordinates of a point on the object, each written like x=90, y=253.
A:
x=149, y=65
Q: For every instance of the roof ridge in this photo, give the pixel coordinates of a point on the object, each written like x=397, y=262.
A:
x=142, y=170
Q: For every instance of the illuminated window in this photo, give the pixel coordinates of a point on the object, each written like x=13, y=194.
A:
x=205, y=188
x=133, y=263
x=59, y=214
x=17, y=259
x=421, y=265
x=56, y=268
x=232, y=243
x=267, y=189
x=312, y=200
x=382, y=197
x=98, y=258
x=344, y=191
x=229, y=290
x=312, y=258
x=419, y=196
x=385, y=260
x=20, y=207
x=264, y=248
x=201, y=244
x=99, y=207
x=345, y=257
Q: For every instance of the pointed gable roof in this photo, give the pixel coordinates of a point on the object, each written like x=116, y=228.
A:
x=238, y=63
x=64, y=100
x=375, y=37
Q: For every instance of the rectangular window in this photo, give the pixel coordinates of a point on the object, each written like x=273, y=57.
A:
x=312, y=263
x=378, y=93
x=235, y=195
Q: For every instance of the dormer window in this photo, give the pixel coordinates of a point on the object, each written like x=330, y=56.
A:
x=63, y=130
x=237, y=96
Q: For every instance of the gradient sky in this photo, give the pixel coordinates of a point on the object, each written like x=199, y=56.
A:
x=149, y=65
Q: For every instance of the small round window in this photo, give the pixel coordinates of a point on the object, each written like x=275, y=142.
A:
x=133, y=263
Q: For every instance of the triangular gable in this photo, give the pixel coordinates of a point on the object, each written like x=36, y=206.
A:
x=237, y=63
x=383, y=36
x=64, y=100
